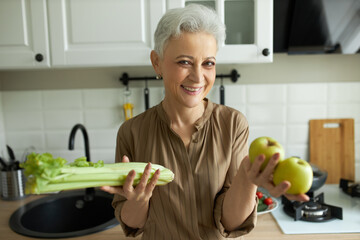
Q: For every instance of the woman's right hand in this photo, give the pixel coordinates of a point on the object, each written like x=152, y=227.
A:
x=142, y=192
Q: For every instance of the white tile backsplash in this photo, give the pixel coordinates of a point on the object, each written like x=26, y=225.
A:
x=103, y=98
x=44, y=118
x=344, y=92
x=301, y=114
x=62, y=99
x=313, y=93
x=266, y=94
x=265, y=114
x=22, y=100
x=62, y=119
x=24, y=120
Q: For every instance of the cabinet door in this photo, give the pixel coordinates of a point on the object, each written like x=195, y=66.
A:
x=23, y=34
x=103, y=32
x=249, y=29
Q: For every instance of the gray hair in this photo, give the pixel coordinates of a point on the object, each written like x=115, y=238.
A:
x=192, y=18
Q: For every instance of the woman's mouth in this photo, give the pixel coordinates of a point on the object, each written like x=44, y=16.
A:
x=191, y=90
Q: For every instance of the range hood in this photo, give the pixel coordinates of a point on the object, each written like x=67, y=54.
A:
x=317, y=26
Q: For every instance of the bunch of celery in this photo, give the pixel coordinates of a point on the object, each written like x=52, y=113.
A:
x=47, y=174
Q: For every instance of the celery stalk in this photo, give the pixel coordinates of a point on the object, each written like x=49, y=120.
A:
x=47, y=174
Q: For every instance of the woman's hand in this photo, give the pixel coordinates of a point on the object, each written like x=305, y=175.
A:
x=135, y=210
x=264, y=178
x=143, y=191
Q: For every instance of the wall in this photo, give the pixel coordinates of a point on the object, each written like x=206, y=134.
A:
x=39, y=107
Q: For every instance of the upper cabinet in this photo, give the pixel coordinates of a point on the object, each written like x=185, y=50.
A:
x=95, y=33
x=23, y=34
x=103, y=32
x=249, y=29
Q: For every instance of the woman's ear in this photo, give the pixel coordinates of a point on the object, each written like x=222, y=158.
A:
x=155, y=61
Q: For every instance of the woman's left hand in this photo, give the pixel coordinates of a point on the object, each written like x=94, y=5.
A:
x=264, y=178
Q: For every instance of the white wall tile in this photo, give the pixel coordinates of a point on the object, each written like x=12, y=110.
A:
x=347, y=92
x=59, y=140
x=350, y=110
x=156, y=95
x=23, y=120
x=2, y=128
x=62, y=99
x=266, y=94
x=301, y=151
x=235, y=95
x=307, y=93
x=301, y=114
x=103, y=138
x=104, y=118
x=297, y=134
x=62, y=119
x=107, y=155
x=265, y=114
x=276, y=132
x=22, y=100
x=24, y=139
x=103, y=98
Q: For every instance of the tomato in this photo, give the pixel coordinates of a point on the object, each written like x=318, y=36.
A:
x=259, y=195
x=268, y=201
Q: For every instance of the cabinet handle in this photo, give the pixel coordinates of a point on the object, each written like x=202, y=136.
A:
x=266, y=52
x=39, y=57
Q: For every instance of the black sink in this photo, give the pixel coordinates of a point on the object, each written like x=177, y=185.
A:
x=67, y=214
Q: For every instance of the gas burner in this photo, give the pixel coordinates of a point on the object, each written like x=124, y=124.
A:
x=349, y=187
x=313, y=211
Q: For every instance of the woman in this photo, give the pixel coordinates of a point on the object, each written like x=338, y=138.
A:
x=203, y=143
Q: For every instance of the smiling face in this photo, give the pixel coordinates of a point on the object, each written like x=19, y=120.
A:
x=187, y=68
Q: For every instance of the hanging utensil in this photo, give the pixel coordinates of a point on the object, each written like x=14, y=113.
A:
x=222, y=93
x=146, y=95
x=128, y=107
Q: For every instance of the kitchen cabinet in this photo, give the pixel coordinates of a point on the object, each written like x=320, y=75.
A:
x=96, y=33
x=103, y=32
x=249, y=29
x=23, y=34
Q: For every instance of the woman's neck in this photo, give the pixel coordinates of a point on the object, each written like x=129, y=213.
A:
x=183, y=116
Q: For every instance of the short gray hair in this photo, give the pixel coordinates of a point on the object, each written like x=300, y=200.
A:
x=192, y=18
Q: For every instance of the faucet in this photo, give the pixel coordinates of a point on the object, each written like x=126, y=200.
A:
x=89, y=192
x=86, y=139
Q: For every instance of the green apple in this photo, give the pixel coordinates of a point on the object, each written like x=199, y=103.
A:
x=267, y=146
x=296, y=171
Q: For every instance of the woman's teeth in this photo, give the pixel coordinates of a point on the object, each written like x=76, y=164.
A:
x=191, y=89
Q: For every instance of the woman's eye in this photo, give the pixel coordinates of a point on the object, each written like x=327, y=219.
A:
x=209, y=63
x=184, y=62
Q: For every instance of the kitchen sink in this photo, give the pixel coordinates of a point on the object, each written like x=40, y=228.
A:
x=66, y=214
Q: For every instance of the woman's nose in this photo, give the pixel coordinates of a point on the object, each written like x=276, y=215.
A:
x=197, y=74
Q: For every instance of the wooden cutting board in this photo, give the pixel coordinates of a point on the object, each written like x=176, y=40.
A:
x=332, y=148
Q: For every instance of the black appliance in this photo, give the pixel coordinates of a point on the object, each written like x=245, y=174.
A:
x=316, y=26
x=350, y=188
x=315, y=210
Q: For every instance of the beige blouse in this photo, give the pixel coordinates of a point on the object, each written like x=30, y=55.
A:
x=189, y=207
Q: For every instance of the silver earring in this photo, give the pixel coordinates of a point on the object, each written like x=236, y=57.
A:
x=158, y=76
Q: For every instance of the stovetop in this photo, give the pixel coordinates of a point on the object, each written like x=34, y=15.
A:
x=335, y=196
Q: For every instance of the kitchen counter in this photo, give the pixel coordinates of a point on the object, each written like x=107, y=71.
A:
x=267, y=228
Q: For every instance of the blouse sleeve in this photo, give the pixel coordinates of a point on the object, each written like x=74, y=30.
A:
x=239, y=151
x=118, y=200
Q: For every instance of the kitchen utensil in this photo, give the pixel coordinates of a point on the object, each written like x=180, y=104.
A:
x=3, y=164
x=332, y=147
x=128, y=107
x=146, y=96
x=319, y=178
x=13, y=184
x=222, y=93
x=11, y=155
